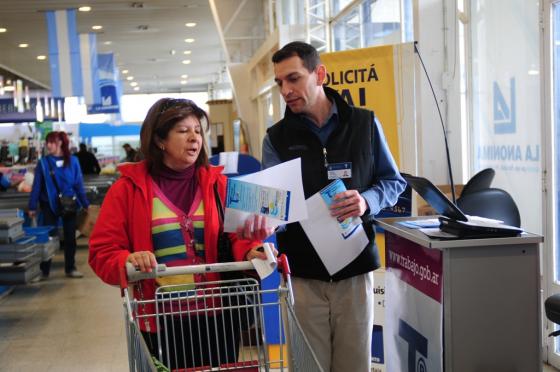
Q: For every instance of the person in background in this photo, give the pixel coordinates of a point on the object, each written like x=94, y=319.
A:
x=4, y=182
x=130, y=153
x=163, y=210
x=88, y=161
x=335, y=311
x=65, y=169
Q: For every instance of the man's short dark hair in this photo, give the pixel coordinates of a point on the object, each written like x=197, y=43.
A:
x=306, y=52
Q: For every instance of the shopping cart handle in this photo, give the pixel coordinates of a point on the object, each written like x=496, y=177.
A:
x=133, y=274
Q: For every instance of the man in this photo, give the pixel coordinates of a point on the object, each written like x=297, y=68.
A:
x=336, y=312
x=88, y=161
x=130, y=153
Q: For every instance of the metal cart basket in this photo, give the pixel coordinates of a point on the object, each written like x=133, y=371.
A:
x=213, y=325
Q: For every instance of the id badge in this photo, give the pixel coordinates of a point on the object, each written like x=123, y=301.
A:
x=339, y=170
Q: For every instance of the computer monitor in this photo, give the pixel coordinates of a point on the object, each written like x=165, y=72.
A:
x=435, y=198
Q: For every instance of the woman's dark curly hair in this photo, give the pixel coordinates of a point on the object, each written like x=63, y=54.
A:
x=161, y=118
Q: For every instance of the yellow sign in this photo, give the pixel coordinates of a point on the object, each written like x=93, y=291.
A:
x=365, y=78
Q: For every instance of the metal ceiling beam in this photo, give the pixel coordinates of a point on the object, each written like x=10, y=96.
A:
x=234, y=16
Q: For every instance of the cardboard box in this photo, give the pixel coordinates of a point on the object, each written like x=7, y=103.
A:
x=86, y=221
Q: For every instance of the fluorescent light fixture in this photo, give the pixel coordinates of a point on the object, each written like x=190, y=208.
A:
x=84, y=8
x=130, y=78
x=41, y=57
x=133, y=84
x=3, y=29
x=184, y=76
x=96, y=27
x=186, y=61
x=189, y=40
x=108, y=42
x=125, y=72
x=23, y=45
x=533, y=72
x=187, y=52
x=190, y=24
x=136, y=88
x=183, y=82
x=9, y=88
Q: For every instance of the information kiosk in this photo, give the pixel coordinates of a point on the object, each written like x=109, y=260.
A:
x=461, y=305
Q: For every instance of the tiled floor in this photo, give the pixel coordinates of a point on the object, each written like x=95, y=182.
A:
x=63, y=324
x=66, y=324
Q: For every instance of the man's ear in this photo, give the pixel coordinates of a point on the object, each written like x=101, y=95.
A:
x=321, y=72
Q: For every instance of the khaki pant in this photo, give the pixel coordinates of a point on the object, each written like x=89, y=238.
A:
x=337, y=319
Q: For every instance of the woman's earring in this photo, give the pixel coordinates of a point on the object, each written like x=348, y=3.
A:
x=162, y=148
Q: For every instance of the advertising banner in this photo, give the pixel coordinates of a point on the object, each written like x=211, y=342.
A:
x=88, y=54
x=414, y=308
x=365, y=78
x=64, y=53
x=107, y=85
x=506, y=101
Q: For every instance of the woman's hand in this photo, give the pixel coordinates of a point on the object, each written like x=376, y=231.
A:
x=254, y=229
x=145, y=261
x=258, y=252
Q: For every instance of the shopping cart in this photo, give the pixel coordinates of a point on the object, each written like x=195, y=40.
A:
x=214, y=325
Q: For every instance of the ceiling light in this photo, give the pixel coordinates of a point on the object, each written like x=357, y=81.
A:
x=125, y=72
x=130, y=78
x=184, y=76
x=186, y=61
x=23, y=45
x=84, y=8
x=190, y=24
x=133, y=84
x=108, y=43
x=2, y=29
x=41, y=57
x=96, y=27
x=187, y=52
x=183, y=82
x=189, y=40
x=136, y=88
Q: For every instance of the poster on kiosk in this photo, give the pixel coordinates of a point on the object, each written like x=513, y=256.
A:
x=414, y=322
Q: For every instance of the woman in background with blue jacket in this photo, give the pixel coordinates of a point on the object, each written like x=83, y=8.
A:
x=68, y=175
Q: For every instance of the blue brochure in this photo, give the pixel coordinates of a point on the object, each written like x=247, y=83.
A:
x=349, y=225
x=252, y=198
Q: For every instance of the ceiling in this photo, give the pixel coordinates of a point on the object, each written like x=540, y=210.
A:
x=147, y=38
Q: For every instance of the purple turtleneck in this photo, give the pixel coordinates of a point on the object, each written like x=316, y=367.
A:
x=178, y=186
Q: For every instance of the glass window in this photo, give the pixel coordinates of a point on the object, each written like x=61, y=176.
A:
x=506, y=100
x=346, y=31
x=371, y=23
x=556, y=126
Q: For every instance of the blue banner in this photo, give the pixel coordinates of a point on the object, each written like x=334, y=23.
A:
x=88, y=53
x=108, y=86
x=64, y=53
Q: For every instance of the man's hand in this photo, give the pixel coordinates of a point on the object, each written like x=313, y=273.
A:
x=254, y=229
x=348, y=204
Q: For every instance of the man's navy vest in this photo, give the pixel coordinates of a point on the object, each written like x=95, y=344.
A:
x=351, y=141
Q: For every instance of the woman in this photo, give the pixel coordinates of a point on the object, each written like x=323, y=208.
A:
x=55, y=174
x=163, y=210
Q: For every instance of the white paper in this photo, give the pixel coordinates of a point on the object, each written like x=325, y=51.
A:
x=265, y=267
x=324, y=233
x=284, y=176
x=230, y=161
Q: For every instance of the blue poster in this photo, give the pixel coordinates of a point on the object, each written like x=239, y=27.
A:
x=108, y=85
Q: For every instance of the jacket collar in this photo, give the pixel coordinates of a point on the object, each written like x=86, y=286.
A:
x=138, y=174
